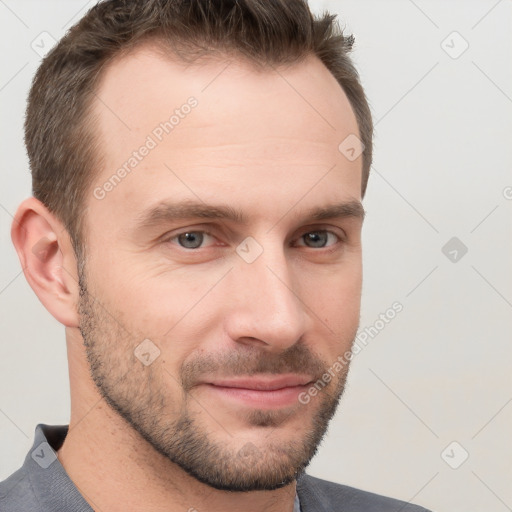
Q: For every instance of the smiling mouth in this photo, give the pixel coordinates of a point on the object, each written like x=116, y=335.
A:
x=272, y=392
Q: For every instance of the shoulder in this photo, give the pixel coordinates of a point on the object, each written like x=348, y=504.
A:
x=317, y=495
x=29, y=487
x=16, y=493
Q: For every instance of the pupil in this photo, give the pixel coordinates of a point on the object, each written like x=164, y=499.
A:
x=191, y=240
x=316, y=239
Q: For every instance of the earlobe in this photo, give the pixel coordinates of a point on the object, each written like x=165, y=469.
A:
x=47, y=259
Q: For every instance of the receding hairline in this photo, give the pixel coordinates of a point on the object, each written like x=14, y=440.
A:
x=168, y=50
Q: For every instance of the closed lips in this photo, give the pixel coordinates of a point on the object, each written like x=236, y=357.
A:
x=264, y=384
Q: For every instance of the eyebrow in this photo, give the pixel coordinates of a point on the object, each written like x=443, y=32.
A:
x=165, y=212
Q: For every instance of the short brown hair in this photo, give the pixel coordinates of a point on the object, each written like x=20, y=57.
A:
x=59, y=130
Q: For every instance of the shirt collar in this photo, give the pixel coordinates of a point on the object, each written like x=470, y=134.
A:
x=50, y=482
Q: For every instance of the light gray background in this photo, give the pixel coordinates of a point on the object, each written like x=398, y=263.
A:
x=440, y=371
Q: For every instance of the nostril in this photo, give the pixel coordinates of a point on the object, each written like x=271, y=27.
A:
x=251, y=341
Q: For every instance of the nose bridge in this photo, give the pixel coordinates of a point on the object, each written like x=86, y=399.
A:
x=269, y=308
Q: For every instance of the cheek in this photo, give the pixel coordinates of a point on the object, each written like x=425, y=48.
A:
x=151, y=297
x=334, y=297
x=172, y=309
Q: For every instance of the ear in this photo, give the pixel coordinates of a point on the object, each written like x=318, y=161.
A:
x=47, y=259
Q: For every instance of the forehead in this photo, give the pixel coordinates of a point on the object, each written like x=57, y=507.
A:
x=145, y=85
x=211, y=125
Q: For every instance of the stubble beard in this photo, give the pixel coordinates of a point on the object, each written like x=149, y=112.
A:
x=167, y=424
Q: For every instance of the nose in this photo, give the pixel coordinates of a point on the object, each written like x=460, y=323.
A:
x=266, y=308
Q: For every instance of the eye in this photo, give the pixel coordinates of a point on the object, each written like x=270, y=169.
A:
x=319, y=239
x=191, y=239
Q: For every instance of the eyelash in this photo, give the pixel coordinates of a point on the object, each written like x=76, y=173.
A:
x=340, y=238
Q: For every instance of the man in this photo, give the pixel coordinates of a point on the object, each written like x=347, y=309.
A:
x=198, y=170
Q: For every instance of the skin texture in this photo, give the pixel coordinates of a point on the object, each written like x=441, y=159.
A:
x=262, y=142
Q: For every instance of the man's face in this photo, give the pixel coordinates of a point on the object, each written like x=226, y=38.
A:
x=232, y=247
